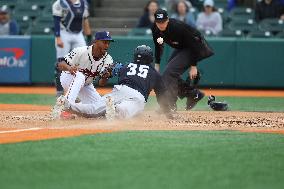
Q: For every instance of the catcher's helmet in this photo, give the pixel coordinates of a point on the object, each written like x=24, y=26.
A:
x=143, y=55
x=217, y=106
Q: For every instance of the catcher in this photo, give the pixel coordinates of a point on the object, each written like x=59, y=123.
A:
x=81, y=67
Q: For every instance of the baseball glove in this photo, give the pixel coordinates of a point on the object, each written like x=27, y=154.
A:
x=111, y=71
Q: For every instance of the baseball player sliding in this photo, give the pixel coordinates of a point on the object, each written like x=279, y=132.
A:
x=127, y=99
x=79, y=69
x=70, y=18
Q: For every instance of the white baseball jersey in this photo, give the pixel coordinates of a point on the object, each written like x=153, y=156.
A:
x=128, y=103
x=82, y=58
x=71, y=14
x=71, y=24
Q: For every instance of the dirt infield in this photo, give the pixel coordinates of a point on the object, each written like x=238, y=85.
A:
x=33, y=122
x=17, y=126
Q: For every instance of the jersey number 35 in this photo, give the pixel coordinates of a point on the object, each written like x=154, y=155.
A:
x=142, y=70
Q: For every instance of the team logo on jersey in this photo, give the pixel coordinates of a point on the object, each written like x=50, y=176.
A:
x=87, y=72
x=107, y=34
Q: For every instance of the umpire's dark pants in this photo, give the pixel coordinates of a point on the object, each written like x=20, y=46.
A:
x=179, y=62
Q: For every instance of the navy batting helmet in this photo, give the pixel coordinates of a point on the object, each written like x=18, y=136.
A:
x=143, y=55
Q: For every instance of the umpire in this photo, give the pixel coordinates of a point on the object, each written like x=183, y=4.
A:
x=189, y=48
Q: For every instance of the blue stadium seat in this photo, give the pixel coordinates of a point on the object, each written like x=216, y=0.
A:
x=46, y=20
x=31, y=11
x=220, y=4
x=24, y=23
x=140, y=32
x=207, y=33
x=245, y=25
x=272, y=25
x=242, y=13
x=40, y=3
x=280, y=35
x=43, y=25
x=231, y=33
x=225, y=15
x=24, y=27
x=41, y=30
x=260, y=34
x=47, y=10
x=10, y=3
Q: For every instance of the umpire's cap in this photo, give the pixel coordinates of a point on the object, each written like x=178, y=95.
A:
x=161, y=15
x=103, y=35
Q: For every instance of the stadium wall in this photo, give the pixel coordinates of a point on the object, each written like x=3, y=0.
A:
x=239, y=63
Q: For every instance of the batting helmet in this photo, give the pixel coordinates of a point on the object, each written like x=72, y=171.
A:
x=143, y=55
x=217, y=106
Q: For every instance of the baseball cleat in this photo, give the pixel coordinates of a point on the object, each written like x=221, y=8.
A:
x=192, y=101
x=58, y=107
x=110, y=108
x=174, y=107
x=59, y=93
x=67, y=115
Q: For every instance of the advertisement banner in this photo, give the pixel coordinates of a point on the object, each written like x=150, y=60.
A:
x=15, y=59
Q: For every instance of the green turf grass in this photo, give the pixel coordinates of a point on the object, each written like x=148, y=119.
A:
x=39, y=99
x=235, y=103
x=152, y=160
x=273, y=104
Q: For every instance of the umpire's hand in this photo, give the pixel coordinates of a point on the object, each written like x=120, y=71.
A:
x=192, y=72
x=157, y=67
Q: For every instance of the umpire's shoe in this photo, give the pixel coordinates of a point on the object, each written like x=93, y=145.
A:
x=192, y=101
x=173, y=107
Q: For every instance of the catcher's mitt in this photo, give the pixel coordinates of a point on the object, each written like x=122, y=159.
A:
x=111, y=71
x=217, y=106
